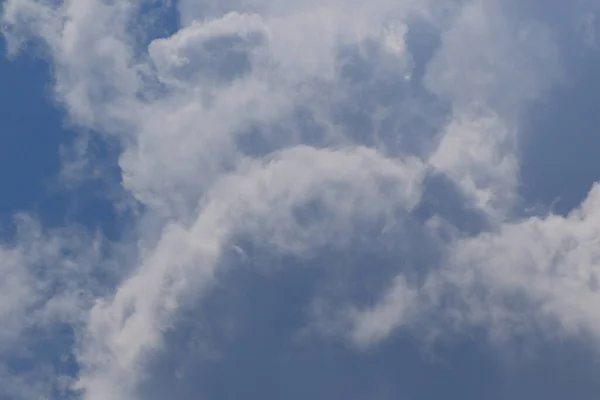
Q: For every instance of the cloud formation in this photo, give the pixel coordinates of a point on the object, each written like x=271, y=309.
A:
x=299, y=126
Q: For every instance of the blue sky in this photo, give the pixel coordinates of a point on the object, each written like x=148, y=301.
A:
x=32, y=172
x=29, y=116
x=299, y=199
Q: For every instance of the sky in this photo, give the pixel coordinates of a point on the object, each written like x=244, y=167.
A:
x=278, y=199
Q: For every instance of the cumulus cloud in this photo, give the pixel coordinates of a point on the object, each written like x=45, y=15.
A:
x=292, y=124
x=535, y=274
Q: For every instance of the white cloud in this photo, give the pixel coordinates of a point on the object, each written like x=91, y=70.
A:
x=372, y=325
x=260, y=200
x=552, y=260
x=485, y=50
x=478, y=152
x=47, y=280
x=483, y=53
x=182, y=107
x=540, y=273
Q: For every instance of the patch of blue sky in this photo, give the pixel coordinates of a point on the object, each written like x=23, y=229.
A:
x=34, y=133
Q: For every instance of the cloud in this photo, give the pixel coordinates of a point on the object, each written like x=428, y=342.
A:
x=293, y=124
x=258, y=201
x=49, y=280
x=537, y=274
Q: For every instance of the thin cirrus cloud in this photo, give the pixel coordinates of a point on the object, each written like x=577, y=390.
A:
x=325, y=137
